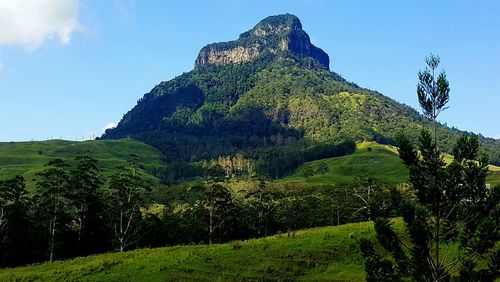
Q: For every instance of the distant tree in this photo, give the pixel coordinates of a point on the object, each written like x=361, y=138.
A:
x=217, y=203
x=260, y=205
x=322, y=169
x=52, y=200
x=367, y=191
x=308, y=172
x=125, y=194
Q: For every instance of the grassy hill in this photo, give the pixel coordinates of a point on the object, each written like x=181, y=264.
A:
x=28, y=158
x=369, y=160
x=329, y=253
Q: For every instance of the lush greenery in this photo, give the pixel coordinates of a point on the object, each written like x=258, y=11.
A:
x=329, y=253
x=28, y=158
x=272, y=101
x=370, y=160
x=447, y=205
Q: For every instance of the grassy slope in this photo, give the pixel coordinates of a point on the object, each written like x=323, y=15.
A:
x=369, y=160
x=328, y=253
x=28, y=158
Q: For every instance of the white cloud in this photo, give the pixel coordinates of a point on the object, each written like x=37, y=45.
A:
x=28, y=23
x=1, y=67
x=109, y=125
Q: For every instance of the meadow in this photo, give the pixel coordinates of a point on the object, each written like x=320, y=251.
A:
x=28, y=158
x=327, y=253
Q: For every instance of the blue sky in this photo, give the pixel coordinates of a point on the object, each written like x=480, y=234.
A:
x=78, y=65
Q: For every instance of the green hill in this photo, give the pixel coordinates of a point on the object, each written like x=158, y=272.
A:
x=370, y=159
x=329, y=253
x=28, y=158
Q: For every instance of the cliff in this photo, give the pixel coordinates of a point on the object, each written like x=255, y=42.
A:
x=277, y=35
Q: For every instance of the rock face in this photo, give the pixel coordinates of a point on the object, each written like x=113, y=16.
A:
x=281, y=34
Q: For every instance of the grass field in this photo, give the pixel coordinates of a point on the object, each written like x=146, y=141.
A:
x=317, y=254
x=329, y=253
x=369, y=160
x=28, y=158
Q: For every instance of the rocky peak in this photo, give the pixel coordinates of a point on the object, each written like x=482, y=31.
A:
x=281, y=34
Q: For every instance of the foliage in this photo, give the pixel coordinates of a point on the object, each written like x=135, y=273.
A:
x=327, y=253
x=447, y=203
x=124, y=196
x=274, y=102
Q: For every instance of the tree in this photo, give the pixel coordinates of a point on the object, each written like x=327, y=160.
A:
x=126, y=193
x=11, y=194
x=432, y=92
x=308, y=172
x=368, y=191
x=16, y=227
x=260, y=207
x=217, y=202
x=52, y=201
x=322, y=169
x=446, y=204
x=84, y=183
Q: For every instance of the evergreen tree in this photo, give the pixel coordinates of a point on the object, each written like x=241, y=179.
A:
x=52, y=201
x=84, y=183
x=447, y=203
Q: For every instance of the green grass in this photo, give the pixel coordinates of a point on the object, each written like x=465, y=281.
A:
x=369, y=160
x=328, y=253
x=28, y=158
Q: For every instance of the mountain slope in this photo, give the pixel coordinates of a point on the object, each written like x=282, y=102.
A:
x=269, y=88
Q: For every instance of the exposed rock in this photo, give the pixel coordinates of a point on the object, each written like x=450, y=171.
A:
x=235, y=55
x=275, y=34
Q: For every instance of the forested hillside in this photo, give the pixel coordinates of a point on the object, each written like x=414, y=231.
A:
x=273, y=95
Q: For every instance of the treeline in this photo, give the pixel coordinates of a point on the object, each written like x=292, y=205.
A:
x=76, y=211
x=268, y=163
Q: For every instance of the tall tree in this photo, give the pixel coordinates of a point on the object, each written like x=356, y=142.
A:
x=217, y=202
x=432, y=92
x=84, y=183
x=16, y=226
x=126, y=193
x=447, y=203
x=11, y=193
x=260, y=205
x=52, y=201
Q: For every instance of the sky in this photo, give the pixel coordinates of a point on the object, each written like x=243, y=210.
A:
x=71, y=68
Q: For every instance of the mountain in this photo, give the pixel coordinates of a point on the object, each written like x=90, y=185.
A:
x=269, y=92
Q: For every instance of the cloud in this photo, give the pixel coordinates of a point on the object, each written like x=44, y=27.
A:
x=109, y=125
x=1, y=67
x=28, y=23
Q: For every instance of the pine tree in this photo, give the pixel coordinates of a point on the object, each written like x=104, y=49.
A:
x=448, y=203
